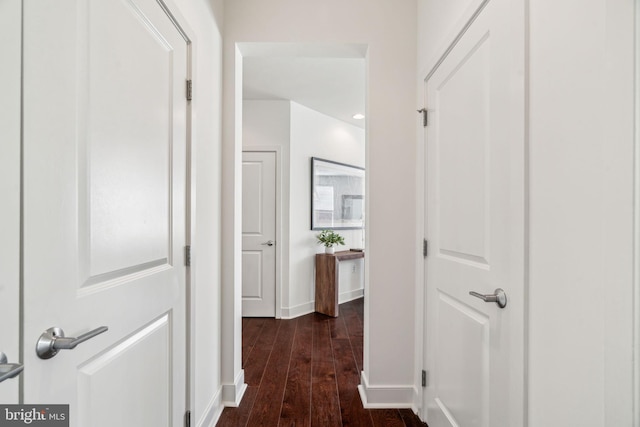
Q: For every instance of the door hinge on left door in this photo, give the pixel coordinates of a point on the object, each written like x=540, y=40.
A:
x=187, y=256
x=424, y=378
x=425, y=116
x=189, y=89
x=187, y=418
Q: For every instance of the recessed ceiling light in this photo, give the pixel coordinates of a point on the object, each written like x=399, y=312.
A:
x=358, y=116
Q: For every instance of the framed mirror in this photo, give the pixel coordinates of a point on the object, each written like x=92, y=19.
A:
x=337, y=195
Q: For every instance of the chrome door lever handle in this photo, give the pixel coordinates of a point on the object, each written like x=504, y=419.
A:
x=268, y=243
x=499, y=297
x=52, y=340
x=8, y=370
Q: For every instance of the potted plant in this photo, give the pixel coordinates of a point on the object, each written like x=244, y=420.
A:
x=329, y=239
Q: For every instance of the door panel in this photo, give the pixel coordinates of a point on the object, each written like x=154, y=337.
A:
x=104, y=205
x=150, y=388
x=258, y=228
x=475, y=223
x=126, y=212
x=464, y=153
x=252, y=275
x=463, y=378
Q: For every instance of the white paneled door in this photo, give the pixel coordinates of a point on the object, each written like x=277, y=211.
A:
x=259, y=234
x=105, y=142
x=475, y=228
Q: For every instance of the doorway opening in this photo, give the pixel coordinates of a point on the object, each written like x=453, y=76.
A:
x=299, y=101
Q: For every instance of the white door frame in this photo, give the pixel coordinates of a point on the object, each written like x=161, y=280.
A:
x=189, y=35
x=181, y=23
x=10, y=172
x=280, y=243
x=636, y=227
x=475, y=7
x=448, y=42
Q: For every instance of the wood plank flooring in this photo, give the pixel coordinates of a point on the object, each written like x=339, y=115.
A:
x=305, y=372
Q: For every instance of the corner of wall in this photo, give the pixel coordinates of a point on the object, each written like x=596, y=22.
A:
x=232, y=393
x=298, y=310
x=387, y=396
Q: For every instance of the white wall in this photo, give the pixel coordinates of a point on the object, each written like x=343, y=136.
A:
x=302, y=133
x=580, y=131
x=205, y=20
x=266, y=123
x=581, y=190
x=316, y=135
x=389, y=29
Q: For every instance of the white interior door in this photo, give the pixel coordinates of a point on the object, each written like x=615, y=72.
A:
x=105, y=137
x=475, y=227
x=259, y=234
x=10, y=75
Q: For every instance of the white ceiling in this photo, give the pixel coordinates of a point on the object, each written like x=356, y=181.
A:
x=333, y=86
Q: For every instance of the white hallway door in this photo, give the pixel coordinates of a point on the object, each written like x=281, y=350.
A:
x=259, y=234
x=105, y=141
x=475, y=227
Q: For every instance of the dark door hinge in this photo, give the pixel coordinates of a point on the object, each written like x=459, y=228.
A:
x=425, y=247
x=187, y=418
x=187, y=256
x=424, y=378
x=189, y=90
x=425, y=116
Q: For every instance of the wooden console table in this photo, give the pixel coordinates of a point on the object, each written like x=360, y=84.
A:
x=327, y=271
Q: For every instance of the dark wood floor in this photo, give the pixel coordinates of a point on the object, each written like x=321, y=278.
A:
x=305, y=372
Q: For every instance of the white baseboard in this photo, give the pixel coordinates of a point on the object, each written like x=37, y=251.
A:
x=232, y=393
x=228, y=395
x=298, y=310
x=387, y=396
x=212, y=412
x=350, y=295
x=310, y=307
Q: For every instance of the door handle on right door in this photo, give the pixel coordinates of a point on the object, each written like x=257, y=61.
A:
x=8, y=370
x=499, y=297
x=53, y=340
x=268, y=243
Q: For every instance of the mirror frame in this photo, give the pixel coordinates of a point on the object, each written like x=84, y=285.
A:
x=343, y=169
